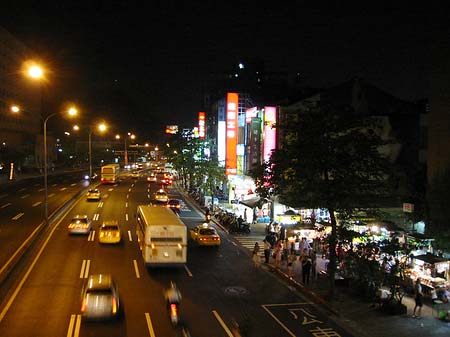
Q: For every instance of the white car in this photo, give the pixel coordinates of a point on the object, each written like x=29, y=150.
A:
x=80, y=224
x=93, y=194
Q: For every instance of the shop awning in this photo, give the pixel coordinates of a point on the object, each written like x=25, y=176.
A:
x=252, y=202
x=430, y=258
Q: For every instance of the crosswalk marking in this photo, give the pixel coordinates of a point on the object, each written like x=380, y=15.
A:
x=249, y=242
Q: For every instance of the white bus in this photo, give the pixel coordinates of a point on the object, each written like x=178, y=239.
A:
x=162, y=236
x=110, y=174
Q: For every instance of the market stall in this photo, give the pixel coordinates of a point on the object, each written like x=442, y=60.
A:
x=433, y=271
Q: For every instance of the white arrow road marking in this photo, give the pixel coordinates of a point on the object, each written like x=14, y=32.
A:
x=37, y=203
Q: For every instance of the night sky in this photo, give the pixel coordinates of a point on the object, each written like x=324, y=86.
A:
x=147, y=65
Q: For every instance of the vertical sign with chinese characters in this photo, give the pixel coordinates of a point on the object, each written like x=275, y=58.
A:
x=269, y=133
x=231, y=133
x=201, y=125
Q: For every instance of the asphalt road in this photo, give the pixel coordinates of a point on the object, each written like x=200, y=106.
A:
x=219, y=286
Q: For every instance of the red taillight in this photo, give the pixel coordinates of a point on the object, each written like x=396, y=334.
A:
x=173, y=309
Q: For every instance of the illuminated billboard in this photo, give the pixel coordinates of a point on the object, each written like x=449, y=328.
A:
x=269, y=133
x=221, y=142
x=201, y=125
x=172, y=129
x=231, y=133
x=250, y=113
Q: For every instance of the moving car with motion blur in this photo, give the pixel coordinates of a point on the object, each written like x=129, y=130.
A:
x=174, y=205
x=80, y=224
x=135, y=175
x=205, y=235
x=93, y=194
x=151, y=178
x=109, y=233
x=100, y=298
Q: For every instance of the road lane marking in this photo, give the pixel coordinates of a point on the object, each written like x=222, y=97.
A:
x=18, y=216
x=148, y=196
x=96, y=217
x=132, y=185
x=63, y=189
x=188, y=271
x=149, y=325
x=6, y=205
x=74, y=326
x=130, y=238
x=278, y=321
x=100, y=204
x=22, y=189
x=126, y=216
x=30, y=268
x=73, y=184
x=37, y=203
x=54, y=185
x=126, y=204
x=129, y=190
x=24, y=196
x=51, y=195
x=36, y=185
x=128, y=196
x=3, y=196
x=136, y=269
x=84, y=272
x=222, y=323
x=91, y=236
x=41, y=189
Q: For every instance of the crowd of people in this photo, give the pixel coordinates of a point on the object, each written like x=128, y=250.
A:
x=292, y=254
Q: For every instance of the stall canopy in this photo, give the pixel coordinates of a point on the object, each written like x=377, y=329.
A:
x=252, y=202
x=430, y=258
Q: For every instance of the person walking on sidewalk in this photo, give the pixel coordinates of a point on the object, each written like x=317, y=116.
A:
x=418, y=298
x=290, y=264
x=267, y=248
x=306, y=266
x=255, y=255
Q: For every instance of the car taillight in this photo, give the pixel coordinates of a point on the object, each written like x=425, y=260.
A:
x=114, y=306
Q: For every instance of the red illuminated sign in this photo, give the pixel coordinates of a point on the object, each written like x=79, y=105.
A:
x=201, y=125
x=270, y=133
x=231, y=135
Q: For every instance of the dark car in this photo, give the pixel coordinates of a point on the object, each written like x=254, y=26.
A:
x=174, y=205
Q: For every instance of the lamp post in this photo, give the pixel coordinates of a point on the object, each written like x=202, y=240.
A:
x=100, y=127
x=125, y=153
x=36, y=72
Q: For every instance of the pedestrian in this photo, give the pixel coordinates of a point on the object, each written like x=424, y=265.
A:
x=278, y=253
x=255, y=255
x=306, y=267
x=290, y=264
x=267, y=248
x=418, y=298
x=313, y=256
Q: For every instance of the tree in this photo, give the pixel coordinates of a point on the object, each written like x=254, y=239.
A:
x=329, y=158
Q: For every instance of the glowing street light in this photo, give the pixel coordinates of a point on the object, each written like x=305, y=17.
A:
x=15, y=109
x=125, y=154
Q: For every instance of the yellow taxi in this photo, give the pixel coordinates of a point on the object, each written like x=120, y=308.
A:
x=109, y=232
x=161, y=196
x=205, y=235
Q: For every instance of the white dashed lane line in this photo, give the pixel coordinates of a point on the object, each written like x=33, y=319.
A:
x=18, y=216
x=6, y=205
x=24, y=196
x=37, y=203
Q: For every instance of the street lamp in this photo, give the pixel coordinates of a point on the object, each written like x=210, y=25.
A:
x=125, y=154
x=101, y=127
x=36, y=72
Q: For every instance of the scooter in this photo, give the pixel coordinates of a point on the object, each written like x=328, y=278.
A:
x=173, y=298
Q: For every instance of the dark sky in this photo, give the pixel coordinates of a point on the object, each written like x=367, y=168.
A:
x=147, y=64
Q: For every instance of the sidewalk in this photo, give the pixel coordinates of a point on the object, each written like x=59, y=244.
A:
x=363, y=318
